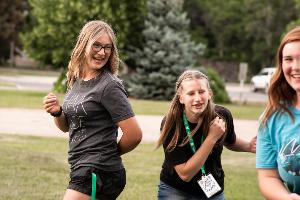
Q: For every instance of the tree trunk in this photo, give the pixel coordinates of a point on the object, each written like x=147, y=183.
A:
x=12, y=54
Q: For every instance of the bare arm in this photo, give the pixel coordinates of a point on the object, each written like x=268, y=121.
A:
x=272, y=187
x=243, y=146
x=132, y=135
x=62, y=123
x=51, y=105
x=189, y=169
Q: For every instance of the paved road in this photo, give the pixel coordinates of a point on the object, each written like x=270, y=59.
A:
x=244, y=93
x=40, y=83
x=45, y=83
x=38, y=122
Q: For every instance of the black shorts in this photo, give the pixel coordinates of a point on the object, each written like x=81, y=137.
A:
x=109, y=184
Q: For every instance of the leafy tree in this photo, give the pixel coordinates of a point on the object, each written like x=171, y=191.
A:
x=265, y=22
x=135, y=12
x=54, y=26
x=295, y=22
x=167, y=51
x=245, y=30
x=217, y=86
x=12, y=18
x=219, y=24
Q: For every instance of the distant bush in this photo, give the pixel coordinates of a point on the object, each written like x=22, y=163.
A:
x=218, y=87
x=61, y=85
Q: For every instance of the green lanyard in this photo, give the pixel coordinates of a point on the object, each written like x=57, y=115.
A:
x=94, y=180
x=192, y=144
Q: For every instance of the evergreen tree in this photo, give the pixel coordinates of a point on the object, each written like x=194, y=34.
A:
x=167, y=52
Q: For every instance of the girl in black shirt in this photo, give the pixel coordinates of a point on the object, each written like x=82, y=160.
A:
x=193, y=134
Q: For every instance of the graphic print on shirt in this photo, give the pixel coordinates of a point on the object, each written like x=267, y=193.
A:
x=289, y=157
x=75, y=105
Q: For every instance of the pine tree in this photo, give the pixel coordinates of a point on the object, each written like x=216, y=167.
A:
x=167, y=52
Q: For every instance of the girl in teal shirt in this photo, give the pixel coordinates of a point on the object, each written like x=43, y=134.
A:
x=278, y=142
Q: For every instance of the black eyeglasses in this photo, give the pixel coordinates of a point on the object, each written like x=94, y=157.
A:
x=98, y=47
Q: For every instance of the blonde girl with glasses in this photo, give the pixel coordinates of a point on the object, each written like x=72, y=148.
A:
x=94, y=107
x=193, y=134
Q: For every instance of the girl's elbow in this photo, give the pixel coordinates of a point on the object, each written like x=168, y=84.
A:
x=133, y=139
x=185, y=178
x=64, y=128
x=65, y=131
x=138, y=137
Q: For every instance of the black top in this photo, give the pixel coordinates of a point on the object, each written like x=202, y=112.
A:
x=93, y=108
x=182, y=154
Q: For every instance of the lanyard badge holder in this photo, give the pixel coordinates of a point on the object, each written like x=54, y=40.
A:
x=207, y=182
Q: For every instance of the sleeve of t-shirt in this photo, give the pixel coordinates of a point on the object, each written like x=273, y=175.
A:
x=115, y=101
x=178, y=155
x=230, y=134
x=266, y=155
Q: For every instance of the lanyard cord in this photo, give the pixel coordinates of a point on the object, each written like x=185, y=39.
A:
x=94, y=180
x=192, y=144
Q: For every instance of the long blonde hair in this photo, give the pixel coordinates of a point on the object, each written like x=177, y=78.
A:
x=90, y=32
x=281, y=94
x=174, y=115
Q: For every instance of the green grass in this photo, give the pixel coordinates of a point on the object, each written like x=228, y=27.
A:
x=32, y=167
x=33, y=99
x=148, y=107
x=247, y=111
x=7, y=84
x=36, y=168
x=23, y=99
x=240, y=176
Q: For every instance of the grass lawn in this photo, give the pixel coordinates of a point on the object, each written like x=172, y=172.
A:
x=36, y=168
x=33, y=99
x=6, y=84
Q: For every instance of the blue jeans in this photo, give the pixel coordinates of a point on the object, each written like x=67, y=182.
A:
x=167, y=192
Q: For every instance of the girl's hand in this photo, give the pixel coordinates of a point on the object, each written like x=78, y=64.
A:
x=216, y=129
x=51, y=103
x=252, y=147
x=294, y=196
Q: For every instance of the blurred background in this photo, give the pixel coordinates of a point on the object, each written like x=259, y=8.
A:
x=231, y=41
x=157, y=39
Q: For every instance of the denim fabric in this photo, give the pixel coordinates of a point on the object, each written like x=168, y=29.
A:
x=167, y=192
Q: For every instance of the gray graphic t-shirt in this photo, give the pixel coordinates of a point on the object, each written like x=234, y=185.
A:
x=92, y=109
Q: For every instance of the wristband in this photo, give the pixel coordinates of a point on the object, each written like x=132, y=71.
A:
x=57, y=114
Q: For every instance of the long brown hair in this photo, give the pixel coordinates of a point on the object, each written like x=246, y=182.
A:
x=280, y=93
x=90, y=32
x=174, y=115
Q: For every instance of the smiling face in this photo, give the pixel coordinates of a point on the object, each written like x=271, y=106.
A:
x=98, y=56
x=194, y=95
x=291, y=65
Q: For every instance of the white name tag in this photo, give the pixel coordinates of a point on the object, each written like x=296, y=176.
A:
x=209, y=185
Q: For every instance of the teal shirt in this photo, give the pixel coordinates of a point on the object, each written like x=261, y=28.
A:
x=278, y=146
